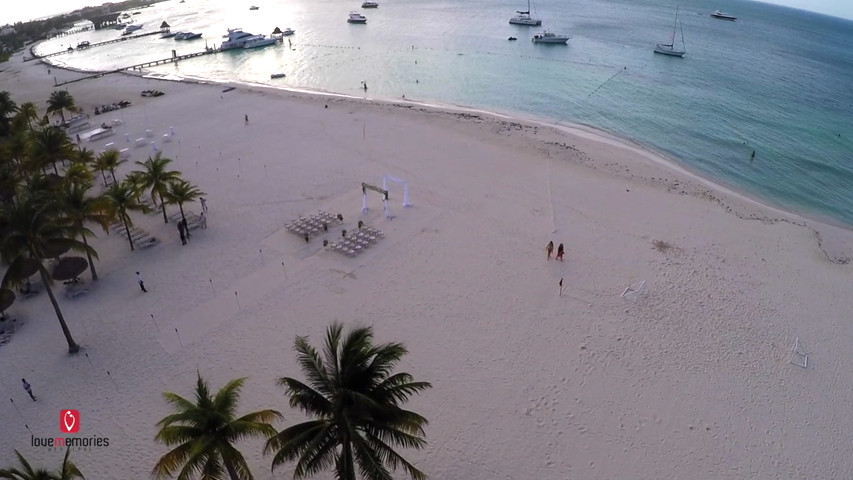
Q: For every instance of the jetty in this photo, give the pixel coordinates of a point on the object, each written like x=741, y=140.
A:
x=36, y=56
x=139, y=66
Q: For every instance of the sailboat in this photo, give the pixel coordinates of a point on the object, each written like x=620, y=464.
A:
x=524, y=18
x=669, y=48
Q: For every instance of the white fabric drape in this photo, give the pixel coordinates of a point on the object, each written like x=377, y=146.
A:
x=385, y=179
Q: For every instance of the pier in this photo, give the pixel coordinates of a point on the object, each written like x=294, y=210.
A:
x=138, y=66
x=120, y=39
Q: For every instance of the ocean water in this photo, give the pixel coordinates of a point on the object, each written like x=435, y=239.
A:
x=777, y=81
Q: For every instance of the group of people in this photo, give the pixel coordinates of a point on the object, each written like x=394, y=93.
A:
x=560, y=251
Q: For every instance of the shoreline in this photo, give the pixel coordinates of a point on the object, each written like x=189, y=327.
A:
x=840, y=254
x=648, y=151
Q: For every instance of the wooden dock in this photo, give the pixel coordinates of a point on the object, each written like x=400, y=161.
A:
x=142, y=65
x=120, y=39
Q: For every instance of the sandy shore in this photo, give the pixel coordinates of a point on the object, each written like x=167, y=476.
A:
x=688, y=379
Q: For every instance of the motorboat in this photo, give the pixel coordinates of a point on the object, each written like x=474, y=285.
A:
x=550, y=37
x=723, y=16
x=83, y=44
x=253, y=7
x=524, y=18
x=287, y=32
x=237, y=38
x=670, y=48
x=355, y=17
x=260, y=41
x=369, y=5
x=278, y=75
x=512, y=39
x=187, y=36
x=132, y=28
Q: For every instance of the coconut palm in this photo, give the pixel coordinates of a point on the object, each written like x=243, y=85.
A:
x=109, y=160
x=180, y=192
x=8, y=107
x=80, y=209
x=203, y=432
x=51, y=144
x=67, y=471
x=355, y=400
x=59, y=102
x=28, y=112
x=156, y=176
x=123, y=199
x=31, y=229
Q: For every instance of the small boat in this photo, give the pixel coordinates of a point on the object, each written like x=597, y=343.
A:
x=191, y=36
x=133, y=28
x=512, y=39
x=83, y=44
x=369, y=5
x=287, y=32
x=278, y=75
x=552, y=38
x=120, y=26
x=355, y=17
x=669, y=48
x=524, y=18
x=253, y=7
x=125, y=15
x=723, y=16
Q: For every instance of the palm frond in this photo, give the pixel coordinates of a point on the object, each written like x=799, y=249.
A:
x=305, y=398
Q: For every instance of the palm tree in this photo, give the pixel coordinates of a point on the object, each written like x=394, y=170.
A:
x=29, y=112
x=204, y=431
x=180, y=192
x=157, y=177
x=7, y=108
x=67, y=471
x=31, y=229
x=60, y=100
x=80, y=209
x=51, y=144
x=356, y=401
x=109, y=160
x=122, y=199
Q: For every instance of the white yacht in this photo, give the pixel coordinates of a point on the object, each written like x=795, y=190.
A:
x=132, y=28
x=259, y=41
x=288, y=32
x=237, y=38
x=524, y=18
x=549, y=37
x=355, y=17
x=369, y=4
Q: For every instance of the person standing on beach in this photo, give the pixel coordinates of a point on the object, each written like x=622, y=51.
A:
x=28, y=389
x=560, y=252
x=550, y=249
x=247, y=119
x=203, y=203
x=141, y=283
x=186, y=227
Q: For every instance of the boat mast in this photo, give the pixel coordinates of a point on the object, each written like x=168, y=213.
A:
x=683, y=45
x=675, y=24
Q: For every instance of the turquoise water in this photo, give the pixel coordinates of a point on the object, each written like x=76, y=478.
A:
x=777, y=81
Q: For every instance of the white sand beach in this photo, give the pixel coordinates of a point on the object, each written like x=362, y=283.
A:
x=688, y=378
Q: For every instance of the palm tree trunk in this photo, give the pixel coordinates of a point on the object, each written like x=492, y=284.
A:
x=89, y=256
x=232, y=472
x=72, y=345
x=181, y=208
x=163, y=207
x=105, y=177
x=126, y=229
x=113, y=173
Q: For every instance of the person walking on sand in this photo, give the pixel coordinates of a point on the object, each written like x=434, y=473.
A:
x=550, y=249
x=202, y=221
x=28, y=389
x=560, y=252
x=186, y=228
x=246, y=119
x=203, y=203
x=141, y=283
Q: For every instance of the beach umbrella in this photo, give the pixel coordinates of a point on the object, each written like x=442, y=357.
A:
x=277, y=31
x=22, y=268
x=55, y=249
x=69, y=267
x=7, y=298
